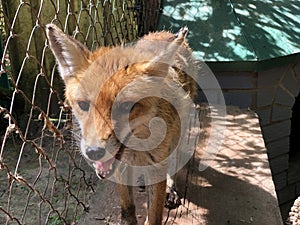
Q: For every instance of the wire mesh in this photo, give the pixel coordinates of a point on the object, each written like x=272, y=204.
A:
x=43, y=179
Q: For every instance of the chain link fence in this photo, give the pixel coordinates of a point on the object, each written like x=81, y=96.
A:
x=43, y=178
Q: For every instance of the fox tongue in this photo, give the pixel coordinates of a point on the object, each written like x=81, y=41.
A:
x=105, y=166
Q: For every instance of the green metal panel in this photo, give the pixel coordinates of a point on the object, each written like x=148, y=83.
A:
x=272, y=27
x=236, y=31
x=215, y=34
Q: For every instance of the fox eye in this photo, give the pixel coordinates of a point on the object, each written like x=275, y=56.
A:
x=84, y=105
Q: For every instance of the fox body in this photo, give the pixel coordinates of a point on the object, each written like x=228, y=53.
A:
x=121, y=98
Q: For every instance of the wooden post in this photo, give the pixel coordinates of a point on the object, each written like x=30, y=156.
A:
x=148, y=15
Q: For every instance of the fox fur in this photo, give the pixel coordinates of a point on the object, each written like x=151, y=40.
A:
x=93, y=82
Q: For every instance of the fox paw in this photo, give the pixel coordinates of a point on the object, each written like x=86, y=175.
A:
x=172, y=200
x=129, y=221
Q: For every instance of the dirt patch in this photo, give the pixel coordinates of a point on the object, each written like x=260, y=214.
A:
x=235, y=188
x=43, y=189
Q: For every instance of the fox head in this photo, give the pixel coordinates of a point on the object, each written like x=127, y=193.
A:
x=94, y=81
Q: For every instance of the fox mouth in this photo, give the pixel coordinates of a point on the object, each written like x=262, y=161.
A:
x=104, y=169
x=107, y=168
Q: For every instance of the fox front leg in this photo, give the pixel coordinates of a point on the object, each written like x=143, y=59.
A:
x=127, y=205
x=156, y=202
x=172, y=198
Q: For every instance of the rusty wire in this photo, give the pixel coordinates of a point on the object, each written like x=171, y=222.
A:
x=43, y=179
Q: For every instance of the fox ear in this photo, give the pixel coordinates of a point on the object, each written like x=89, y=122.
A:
x=167, y=57
x=70, y=54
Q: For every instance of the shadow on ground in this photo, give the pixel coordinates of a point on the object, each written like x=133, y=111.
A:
x=236, y=188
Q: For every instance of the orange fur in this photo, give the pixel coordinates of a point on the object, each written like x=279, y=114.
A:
x=93, y=82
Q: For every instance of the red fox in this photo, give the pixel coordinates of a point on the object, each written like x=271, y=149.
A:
x=134, y=105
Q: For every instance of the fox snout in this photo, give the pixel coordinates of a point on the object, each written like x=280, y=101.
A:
x=95, y=153
x=103, y=156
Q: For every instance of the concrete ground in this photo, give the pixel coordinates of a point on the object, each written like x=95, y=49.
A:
x=236, y=188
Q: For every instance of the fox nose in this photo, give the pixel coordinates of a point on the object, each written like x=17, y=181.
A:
x=95, y=153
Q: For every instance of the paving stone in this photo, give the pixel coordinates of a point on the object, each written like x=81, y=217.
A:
x=235, y=188
x=283, y=98
x=239, y=98
x=281, y=113
x=276, y=131
x=287, y=194
x=265, y=97
x=278, y=147
x=296, y=69
x=279, y=164
x=294, y=171
x=270, y=78
x=236, y=80
x=280, y=180
x=298, y=189
x=290, y=83
x=285, y=209
x=264, y=115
